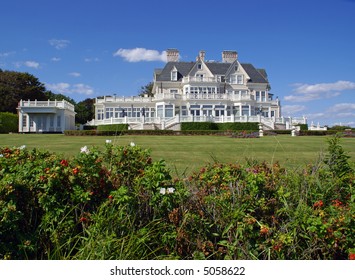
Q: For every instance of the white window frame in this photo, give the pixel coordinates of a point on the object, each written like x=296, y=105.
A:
x=174, y=75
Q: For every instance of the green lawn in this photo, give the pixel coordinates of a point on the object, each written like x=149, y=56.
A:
x=191, y=152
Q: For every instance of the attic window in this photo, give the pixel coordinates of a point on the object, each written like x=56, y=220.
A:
x=174, y=75
x=199, y=66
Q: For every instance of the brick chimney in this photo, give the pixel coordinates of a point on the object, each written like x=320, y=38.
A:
x=229, y=56
x=172, y=55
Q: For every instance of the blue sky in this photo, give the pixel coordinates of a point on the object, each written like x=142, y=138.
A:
x=85, y=49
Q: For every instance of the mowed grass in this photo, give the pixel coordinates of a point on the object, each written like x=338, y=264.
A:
x=185, y=154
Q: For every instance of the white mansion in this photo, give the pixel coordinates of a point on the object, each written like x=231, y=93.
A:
x=198, y=91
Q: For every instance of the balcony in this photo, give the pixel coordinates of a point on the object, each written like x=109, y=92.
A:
x=43, y=105
x=200, y=79
x=219, y=96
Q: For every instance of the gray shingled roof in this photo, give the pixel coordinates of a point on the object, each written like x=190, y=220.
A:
x=217, y=68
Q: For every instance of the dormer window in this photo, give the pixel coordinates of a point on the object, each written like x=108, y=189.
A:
x=199, y=66
x=237, y=79
x=174, y=75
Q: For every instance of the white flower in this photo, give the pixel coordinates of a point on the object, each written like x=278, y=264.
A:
x=1, y=155
x=108, y=141
x=84, y=150
x=171, y=190
x=162, y=191
x=132, y=144
x=22, y=147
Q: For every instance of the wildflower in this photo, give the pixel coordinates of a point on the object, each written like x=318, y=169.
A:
x=110, y=197
x=264, y=230
x=352, y=256
x=84, y=150
x=75, y=170
x=318, y=204
x=337, y=203
x=132, y=144
x=277, y=247
x=1, y=155
x=22, y=147
x=108, y=141
x=162, y=191
x=83, y=219
x=170, y=190
x=64, y=162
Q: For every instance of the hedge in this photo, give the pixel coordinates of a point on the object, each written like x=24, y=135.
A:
x=112, y=127
x=218, y=126
x=8, y=122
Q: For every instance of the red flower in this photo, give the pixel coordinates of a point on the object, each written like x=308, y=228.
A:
x=83, y=219
x=318, y=204
x=75, y=170
x=264, y=230
x=337, y=203
x=64, y=162
x=352, y=256
x=110, y=197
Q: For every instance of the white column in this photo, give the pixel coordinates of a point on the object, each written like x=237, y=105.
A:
x=20, y=122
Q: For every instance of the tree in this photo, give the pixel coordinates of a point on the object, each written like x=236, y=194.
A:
x=57, y=96
x=15, y=86
x=147, y=90
x=85, y=110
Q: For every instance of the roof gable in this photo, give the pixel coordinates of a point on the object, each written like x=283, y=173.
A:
x=215, y=68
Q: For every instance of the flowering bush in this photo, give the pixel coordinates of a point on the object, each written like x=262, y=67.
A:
x=119, y=204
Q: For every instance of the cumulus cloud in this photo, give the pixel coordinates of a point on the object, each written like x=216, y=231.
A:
x=307, y=92
x=141, y=54
x=59, y=44
x=66, y=88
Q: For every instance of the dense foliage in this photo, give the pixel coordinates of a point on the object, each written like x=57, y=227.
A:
x=120, y=204
x=8, y=122
x=15, y=86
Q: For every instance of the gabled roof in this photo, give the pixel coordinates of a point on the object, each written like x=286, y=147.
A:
x=217, y=68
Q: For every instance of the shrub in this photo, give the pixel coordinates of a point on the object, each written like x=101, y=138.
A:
x=112, y=127
x=120, y=204
x=8, y=122
x=185, y=126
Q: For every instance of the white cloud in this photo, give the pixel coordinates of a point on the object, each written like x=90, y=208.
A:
x=141, y=54
x=56, y=59
x=62, y=88
x=65, y=88
x=324, y=87
x=59, y=44
x=291, y=109
x=6, y=54
x=94, y=59
x=307, y=92
x=28, y=63
x=31, y=64
x=74, y=74
x=343, y=108
x=83, y=89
